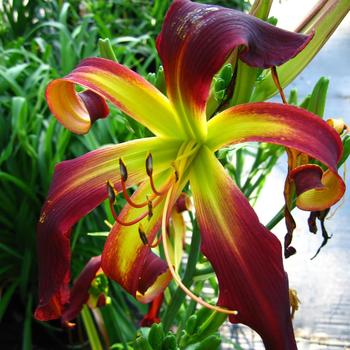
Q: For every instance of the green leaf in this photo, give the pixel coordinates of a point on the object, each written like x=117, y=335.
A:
x=6, y=297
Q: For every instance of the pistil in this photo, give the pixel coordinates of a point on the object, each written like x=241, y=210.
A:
x=174, y=273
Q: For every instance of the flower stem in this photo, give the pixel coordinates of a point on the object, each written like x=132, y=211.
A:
x=91, y=329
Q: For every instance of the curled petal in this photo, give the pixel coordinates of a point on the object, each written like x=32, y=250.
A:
x=316, y=190
x=294, y=128
x=196, y=40
x=95, y=105
x=246, y=257
x=80, y=292
x=78, y=186
x=116, y=83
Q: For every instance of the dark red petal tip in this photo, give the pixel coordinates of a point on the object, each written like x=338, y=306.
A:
x=196, y=39
x=80, y=291
x=95, y=105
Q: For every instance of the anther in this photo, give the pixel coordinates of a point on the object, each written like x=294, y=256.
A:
x=149, y=165
x=176, y=173
x=129, y=200
x=150, y=208
x=111, y=192
x=142, y=235
x=123, y=178
x=123, y=170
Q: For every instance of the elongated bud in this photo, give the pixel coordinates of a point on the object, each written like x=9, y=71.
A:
x=156, y=336
x=191, y=324
x=142, y=235
x=111, y=191
x=106, y=49
x=149, y=165
x=212, y=342
x=123, y=171
x=169, y=342
x=141, y=343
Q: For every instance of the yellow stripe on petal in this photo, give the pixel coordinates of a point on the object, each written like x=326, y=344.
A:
x=275, y=123
x=245, y=256
x=291, y=127
x=124, y=88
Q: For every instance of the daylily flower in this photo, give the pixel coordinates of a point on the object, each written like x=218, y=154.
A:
x=195, y=42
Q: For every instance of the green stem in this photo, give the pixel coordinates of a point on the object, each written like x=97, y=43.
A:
x=91, y=329
x=179, y=295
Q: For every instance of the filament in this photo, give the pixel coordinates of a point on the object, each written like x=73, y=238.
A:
x=278, y=85
x=129, y=223
x=175, y=275
x=129, y=200
x=156, y=243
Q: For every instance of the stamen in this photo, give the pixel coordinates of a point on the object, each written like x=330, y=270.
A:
x=156, y=243
x=123, y=170
x=142, y=235
x=150, y=208
x=149, y=170
x=176, y=174
x=278, y=85
x=123, y=178
x=129, y=223
x=149, y=165
x=175, y=275
x=112, y=193
x=148, y=213
x=128, y=199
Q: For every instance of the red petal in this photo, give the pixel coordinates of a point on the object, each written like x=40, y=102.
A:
x=246, y=257
x=80, y=291
x=95, y=105
x=78, y=186
x=307, y=177
x=124, y=88
x=196, y=40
